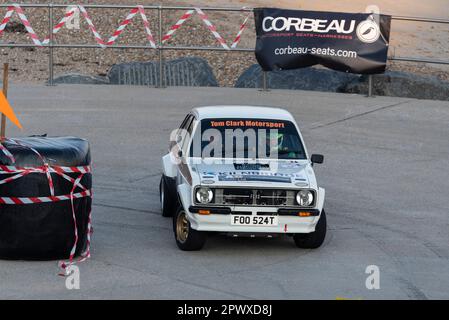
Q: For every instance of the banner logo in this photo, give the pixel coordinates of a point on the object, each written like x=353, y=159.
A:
x=368, y=31
x=307, y=25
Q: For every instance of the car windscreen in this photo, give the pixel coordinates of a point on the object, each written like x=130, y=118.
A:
x=247, y=138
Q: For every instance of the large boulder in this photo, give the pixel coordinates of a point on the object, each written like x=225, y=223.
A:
x=76, y=78
x=191, y=71
x=300, y=79
x=402, y=84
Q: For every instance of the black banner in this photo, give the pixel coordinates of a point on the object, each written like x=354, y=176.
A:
x=349, y=42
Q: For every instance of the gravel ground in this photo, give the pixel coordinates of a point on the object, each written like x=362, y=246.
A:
x=31, y=64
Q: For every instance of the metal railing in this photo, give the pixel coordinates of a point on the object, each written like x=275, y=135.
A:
x=161, y=47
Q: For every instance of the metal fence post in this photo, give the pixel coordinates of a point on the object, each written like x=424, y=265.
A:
x=160, y=51
x=50, y=45
x=370, y=85
x=265, y=81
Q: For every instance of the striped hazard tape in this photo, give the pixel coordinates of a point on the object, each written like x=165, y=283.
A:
x=7, y=153
x=31, y=200
x=92, y=27
x=16, y=172
x=139, y=9
x=177, y=25
x=15, y=7
x=212, y=28
x=67, y=16
x=146, y=24
x=239, y=34
x=13, y=169
x=99, y=40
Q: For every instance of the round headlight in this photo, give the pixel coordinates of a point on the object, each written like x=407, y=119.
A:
x=204, y=195
x=304, y=198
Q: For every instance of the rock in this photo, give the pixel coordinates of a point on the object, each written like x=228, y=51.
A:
x=300, y=79
x=192, y=72
x=75, y=78
x=402, y=84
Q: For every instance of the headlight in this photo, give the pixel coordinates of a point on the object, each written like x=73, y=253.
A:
x=304, y=198
x=204, y=195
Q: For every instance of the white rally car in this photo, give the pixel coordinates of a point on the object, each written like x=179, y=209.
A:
x=241, y=171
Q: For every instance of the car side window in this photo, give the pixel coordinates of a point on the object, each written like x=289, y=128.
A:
x=185, y=121
x=190, y=126
x=188, y=123
x=180, y=132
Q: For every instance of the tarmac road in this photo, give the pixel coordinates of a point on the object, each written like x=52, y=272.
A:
x=386, y=179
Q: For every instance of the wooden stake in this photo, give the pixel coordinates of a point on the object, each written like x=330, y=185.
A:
x=5, y=93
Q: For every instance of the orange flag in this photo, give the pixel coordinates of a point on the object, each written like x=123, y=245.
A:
x=6, y=109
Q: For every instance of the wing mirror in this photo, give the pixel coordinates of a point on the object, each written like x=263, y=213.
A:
x=317, y=158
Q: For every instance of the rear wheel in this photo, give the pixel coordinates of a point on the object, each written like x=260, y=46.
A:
x=168, y=202
x=315, y=239
x=187, y=238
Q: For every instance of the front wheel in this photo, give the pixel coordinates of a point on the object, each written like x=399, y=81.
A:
x=168, y=202
x=187, y=238
x=314, y=239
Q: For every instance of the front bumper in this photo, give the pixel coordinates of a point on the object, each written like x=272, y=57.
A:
x=218, y=219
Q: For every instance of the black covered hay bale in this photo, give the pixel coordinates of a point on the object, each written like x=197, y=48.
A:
x=43, y=231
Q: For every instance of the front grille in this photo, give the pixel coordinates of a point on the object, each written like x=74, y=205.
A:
x=238, y=197
x=271, y=197
x=255, y=197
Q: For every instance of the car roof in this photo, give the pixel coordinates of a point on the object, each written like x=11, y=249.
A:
x=245, y=112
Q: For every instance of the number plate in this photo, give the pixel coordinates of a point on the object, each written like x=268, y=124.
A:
x=254, y=220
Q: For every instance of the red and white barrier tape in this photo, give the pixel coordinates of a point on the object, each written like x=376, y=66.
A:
x=212, y=28
x=177, y=25
x=45, y=167
x=64, y=265
x=14, y=169
x=15, y=7
x=35, y=200
x=209, y=25
x=67, y=17
x=86, y=254
x=47, y=170
x=92, y=27
x=146, y=24
x=239, y=35
x=7, y=153
x=139, y=9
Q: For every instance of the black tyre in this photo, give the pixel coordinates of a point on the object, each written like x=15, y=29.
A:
x=187, y=238
x=315, y=239
x=168, y=200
